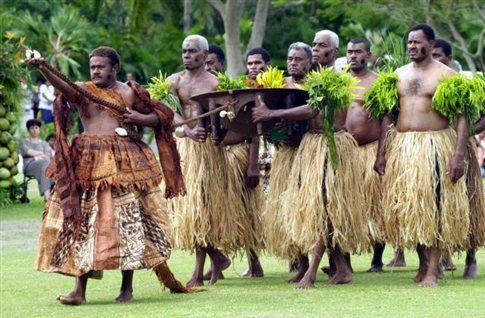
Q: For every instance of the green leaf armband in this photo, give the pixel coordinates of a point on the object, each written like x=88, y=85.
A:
x=458, y=96
x=477, y=93
x=159, y=88
x=382, y=97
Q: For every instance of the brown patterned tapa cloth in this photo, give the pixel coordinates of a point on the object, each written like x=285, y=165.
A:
x=119, y=230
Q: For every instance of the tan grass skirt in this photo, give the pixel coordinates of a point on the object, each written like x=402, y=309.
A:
x=202, y=217
x=325, y=202
x=245, y=205
x=120, y=230
x=421, y=205
x=278, y=240
x=372, y=186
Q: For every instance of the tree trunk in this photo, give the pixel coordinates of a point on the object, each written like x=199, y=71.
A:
x=259, y=24
x=187, y=15
x=462, y=45
x=231, y=12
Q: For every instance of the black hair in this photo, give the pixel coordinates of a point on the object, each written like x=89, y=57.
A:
x=50, y=136
x=362, y=40
x=427, y=30
x=216, y=49
x=444, y=45
x=33, y=122
x=106, y=51
x=260, y=50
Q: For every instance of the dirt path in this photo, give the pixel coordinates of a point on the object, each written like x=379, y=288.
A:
x=19, y=235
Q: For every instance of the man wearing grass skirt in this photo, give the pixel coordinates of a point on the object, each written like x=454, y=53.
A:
x=366, y=131
x=201, y=219
x=443, y=53
x=278, y=240
x=425, y=199
x=246, y=195
x=324, y=204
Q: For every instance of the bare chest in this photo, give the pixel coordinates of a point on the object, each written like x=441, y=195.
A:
x=416, y=86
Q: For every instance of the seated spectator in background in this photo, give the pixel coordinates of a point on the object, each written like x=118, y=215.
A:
x=46, y=101
x=36, y=154
x=51, y=140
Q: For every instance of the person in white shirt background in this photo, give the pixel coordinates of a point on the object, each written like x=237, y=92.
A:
x=46, y=100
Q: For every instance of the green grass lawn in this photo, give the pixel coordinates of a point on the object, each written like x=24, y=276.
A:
x=27, y=293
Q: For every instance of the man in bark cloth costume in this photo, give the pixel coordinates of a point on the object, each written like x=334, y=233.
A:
x=278, y=240
x=201, y=220
x=323, y=203
x=425, y=200
x=106, y=211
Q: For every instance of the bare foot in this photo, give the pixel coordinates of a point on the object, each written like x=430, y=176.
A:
x=124, y=297
x=195, y=282
x=398, y=260
x=250, y=272
x=343, y=277
x=294, y=266
x=72, y=298
x=298, y=277
x=217, y=269
x=470, y=271
x=375, y=269
x=306, y=283
x=396, y=263
x=208, y=275
x=419, y=276
x=429, y=281
x=448, y=265
x=327, y=270
x=254, y=270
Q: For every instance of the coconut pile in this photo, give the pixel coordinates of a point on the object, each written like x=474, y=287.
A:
x=9, y=156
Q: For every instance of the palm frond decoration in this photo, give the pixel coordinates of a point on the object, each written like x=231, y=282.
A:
x=330, y=93
x=228, y=83
x=458, y=96
x=159, y=88
x=477, y=93
x=271, y=78
x=382, y=97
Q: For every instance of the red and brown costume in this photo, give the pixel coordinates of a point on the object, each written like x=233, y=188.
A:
x=107, y=210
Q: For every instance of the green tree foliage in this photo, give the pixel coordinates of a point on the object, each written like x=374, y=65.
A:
x=148, y=34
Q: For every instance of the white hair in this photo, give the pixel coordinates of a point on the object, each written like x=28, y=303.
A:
x=200, y=40
x=333, y=36
x=301, y=46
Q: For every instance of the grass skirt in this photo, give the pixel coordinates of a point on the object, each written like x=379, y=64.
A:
x=321, y=201
x=202, y=217
x=373, y=194
x=119, y=230
x=476, y=196
x=421, y=205
x=278, y=240
x=245, y=205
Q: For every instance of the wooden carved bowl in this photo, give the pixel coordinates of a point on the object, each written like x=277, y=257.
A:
x=241, y=102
